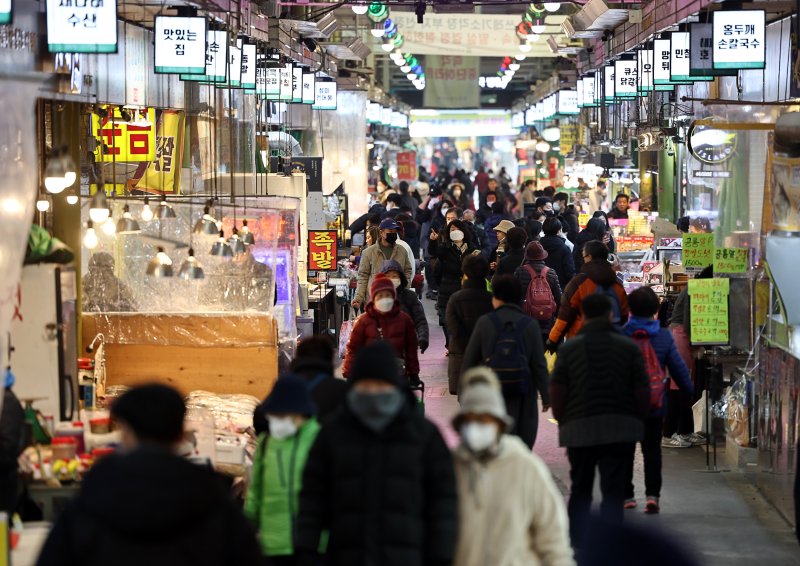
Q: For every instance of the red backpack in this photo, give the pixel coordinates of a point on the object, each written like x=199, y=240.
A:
x=539, y=301
x=655, y=373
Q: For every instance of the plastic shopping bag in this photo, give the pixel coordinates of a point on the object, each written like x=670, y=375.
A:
x=699, y=414
x=344, y=334
x=550, y=358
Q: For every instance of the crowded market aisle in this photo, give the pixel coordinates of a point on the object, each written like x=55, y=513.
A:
x=721, y=515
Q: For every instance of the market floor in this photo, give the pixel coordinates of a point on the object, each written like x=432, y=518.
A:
x=720, y=515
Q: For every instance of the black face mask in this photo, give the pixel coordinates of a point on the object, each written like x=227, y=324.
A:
x=549, y=213
x=391, y=238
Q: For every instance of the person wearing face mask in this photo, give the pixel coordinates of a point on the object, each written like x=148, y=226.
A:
x=567, y=214
x=379, y=477
x=499, y=230
x=409, y=302
x=559, y=257
x=479, y=234
x=486, y=209
x=460, y=197
x=147, y=505
x=384, y=321
x=271, y=501
x=449, y=248
x=372, y=259
x=499, y=524
x=545, y=206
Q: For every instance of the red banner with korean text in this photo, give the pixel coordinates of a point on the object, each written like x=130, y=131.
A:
x=452, y=81
x=322, y=250
x=407, y=166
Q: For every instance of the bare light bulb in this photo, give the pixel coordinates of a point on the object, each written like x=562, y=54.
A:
x=147, y=212
x=359, y=9
x=109, y=226
x=72, y=199
x=70, y=177
x=552, y=6
x=524, y=47
x=90, y=240
x=42, y=205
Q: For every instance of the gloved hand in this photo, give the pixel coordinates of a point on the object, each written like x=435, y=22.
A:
x=551, y=346
x=423, y=345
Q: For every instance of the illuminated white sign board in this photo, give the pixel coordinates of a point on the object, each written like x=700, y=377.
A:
x=5, y=12
x=373, y=112
x=297, y=84
x=180, y=45
x=598, y=90
x=325, y=98
x=272, y=82
x=309, y=88
x=608, y=74
x=518, y=120
x=216, y=59
x=568, y=102
x=235, y=66
x=625, y=78
x=249, y=66
x=82, y=26
x=530, y=116
x=386, y=116
x=662, y=54
x=644, y=66
x=579, y=88
x=701, y=44
x=286, y=82
x=588, y=91
x=739, y=39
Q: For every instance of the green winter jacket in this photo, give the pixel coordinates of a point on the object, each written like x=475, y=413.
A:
x=277, y=479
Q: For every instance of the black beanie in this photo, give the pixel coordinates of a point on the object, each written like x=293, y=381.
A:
x=153, y=412
x=376, y=361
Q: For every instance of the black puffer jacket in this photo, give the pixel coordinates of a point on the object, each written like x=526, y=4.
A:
x=151, y=507
x=386, y=498
x=12, y=442
x=569, y=219
x=559, y=257
x=510, y=262
x=463, y=311
x=524, y=278
x=450, y=259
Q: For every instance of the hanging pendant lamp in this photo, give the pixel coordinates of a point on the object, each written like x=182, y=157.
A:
x=161, y=265
x=236, y=243
x=207, y=223
x=220, y=248
x=165, y=209
x=246, y=235
x=191, y=269
x=126, y=224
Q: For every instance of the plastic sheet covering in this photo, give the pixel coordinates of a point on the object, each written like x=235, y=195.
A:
x=230, y=307
x=17, y=193
x=734, y=408
x=232, y=413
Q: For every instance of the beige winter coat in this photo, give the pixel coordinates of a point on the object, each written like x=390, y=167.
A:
x=510, y=510
x=372, y=259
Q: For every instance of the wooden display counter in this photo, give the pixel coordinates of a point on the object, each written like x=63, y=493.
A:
x=217, y=352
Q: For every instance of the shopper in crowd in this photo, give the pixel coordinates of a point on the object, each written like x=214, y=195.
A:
x=487, y=203
x=281, y=454
x=360, y=223
x=608, y=237
x=384, y=321
x=482, y=181
x=12, y=442
x=498, y=242
x=428, y=214
x=493, y=221
x=453, y=213
x=540, y=301
x=659, y=352
x=408, y=301
x=559, y=258
x=526, y=194
x=567, y=214
x=393, y=203
x=464, y=309
x=460, y=197
x=597, y=196
x=516, y=238
x=401, y=241
x=700, y=225
x=410, y=230
x=479, y=234
x=619, y=211
x=549, y=192
x=408, y=198
x=379, y=478
x=510, y=342
x=596, y=278
x=533, y=228
x=449, y=249
x=545, y=206
x=146, y=505
x=510, y=509
x=373, y=257
x=595, y=231
x=600, y=395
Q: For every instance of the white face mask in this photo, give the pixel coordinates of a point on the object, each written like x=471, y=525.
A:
x=556, y=206
x=457, y=235
x=384, y=305
x=479, y=436
x=389, y=206
x=396, y=283
x=444, y=211
x=281, y=428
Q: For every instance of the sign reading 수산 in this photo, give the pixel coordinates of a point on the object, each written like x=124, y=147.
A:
x=82, y=26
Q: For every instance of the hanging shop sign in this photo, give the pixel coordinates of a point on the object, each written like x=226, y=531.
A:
x=709, y=144
x=608, y=77
x=235, y=65
x=249, y=66
x=530, y=116
x=625, y=78
x=644, y=67
x=589, y=98
x=136, y=70
x=81, y=26
x=518, y=120
x=454, y=81
x=180, y=45
x=568, y=102
x=698, y=250
x=680, y=58
x=272, y=84
x=311, y=167
x=709, y=322
x=286, y=80
x=325, y=97
x=739, y=39
x=121, y=141
x=568, y=138
x=6, y=12
x=216, y=59
x=579, y=89
x=163, y=174
x=550, y=106
x=662, y=57
x=322, y=250
x=730, y=260
x=309, y=88
x=407, y=166
x=598, y=88
x=701, y=44
x=386, y=116
x=399, y=120
x=297, y=84
x=373, y=112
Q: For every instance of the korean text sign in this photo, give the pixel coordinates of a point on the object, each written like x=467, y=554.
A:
x=325, y=96
x=407, y=166
x=120, y=141
x=180, y=45
x=739, y=39
x=82, y=26
x=322, y=250
x=709, y=310
x=698, y=250
x=730, y=260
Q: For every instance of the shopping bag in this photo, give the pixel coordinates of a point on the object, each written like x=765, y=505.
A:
x=699, y=414
x=550, y=358
x=344, y=333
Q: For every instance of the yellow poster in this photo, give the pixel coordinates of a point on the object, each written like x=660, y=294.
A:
x=124, y=139
x=163, y=174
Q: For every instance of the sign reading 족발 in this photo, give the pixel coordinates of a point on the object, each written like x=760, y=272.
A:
x=739, y=39
x=322, y=250
x=325, y=97
x=82, y=26
x=180, y=45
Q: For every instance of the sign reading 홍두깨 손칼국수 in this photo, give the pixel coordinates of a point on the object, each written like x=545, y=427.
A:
x=739, y=39
x=82, y=26
x=180, y=45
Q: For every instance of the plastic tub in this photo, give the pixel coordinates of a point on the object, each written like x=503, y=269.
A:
x=98, y=453
x=100, y=426
x=64, y=448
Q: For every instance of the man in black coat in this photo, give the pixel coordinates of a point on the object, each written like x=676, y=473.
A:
x=463, y=311
x=379, y=478
x=567, y=214
x=600, y=394
x=148, y=506
x=559, y=256
x=360, y=223
x=506, y=298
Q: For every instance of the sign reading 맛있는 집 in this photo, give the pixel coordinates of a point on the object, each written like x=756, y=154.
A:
x=180, y=44
x=698, y=250
x=322, y=250
x=709, y=322
x=730, y=260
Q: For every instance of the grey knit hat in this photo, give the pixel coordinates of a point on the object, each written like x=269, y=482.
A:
x=481, y=395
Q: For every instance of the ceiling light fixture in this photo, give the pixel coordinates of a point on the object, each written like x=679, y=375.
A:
x=54, y=174
x=207, y=223
x=542, y=146
x=160, y=265
x=514, y=66
x=147, y=212
x=359, y=8
x=109, y=226
x=72, y=198
x=520, y=56
x=247, y=236
x=377, y=30
x=126, y=224
x=165, y=209
x=98, y=207
x=90, y=240
x=552, y=6
x=191, y=269
x=42, y=205
x=524, y=47
x=220, y=248
x=236, y=243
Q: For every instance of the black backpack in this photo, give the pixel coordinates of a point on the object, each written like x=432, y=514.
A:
x=509, y=360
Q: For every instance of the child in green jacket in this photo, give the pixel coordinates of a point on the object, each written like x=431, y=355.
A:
x=278, y=466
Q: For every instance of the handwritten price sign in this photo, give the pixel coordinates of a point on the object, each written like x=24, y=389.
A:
x=709, y=310
x=730, y=260
x=698, y=250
